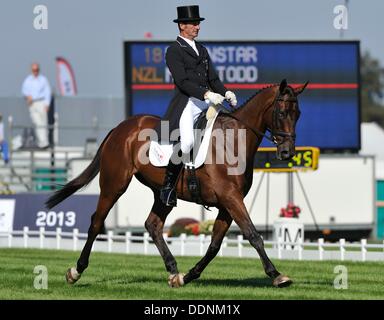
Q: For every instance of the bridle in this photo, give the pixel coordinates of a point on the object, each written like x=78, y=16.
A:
x=275, y=116
x=274, y=131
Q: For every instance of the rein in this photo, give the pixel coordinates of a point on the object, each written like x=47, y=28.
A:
x=273, y=132
x=256, y=132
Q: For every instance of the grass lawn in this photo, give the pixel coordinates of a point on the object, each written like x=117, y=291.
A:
x=119, y=276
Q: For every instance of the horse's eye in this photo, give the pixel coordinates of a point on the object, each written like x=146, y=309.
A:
x=282, y=114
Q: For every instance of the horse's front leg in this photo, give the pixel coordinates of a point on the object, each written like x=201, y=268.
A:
x=220, y=228
x=233, y=202
x=155, y=224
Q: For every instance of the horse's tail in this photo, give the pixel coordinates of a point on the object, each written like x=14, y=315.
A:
x=79, y=182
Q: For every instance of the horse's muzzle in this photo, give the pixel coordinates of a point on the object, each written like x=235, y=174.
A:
x=285, y=151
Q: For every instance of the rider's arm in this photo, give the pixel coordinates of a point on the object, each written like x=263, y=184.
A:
x=175, y=64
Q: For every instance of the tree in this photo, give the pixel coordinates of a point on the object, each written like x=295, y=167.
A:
x=372, y=90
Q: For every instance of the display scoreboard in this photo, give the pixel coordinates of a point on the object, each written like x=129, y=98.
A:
x=330, y=106
x=306, y=158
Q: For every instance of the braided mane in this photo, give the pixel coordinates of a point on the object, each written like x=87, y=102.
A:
x=288, y=88
x=254, y=95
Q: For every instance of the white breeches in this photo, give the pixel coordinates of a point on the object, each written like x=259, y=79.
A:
x=188, y=117
x=39, y=116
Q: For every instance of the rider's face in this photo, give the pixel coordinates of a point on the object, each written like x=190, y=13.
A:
x=190, y=30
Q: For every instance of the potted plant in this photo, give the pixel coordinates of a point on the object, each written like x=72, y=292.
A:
x=290, y=211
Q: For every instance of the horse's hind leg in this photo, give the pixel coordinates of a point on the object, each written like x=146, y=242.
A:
x=220, y=228
x=106, y=201
x=155, y=224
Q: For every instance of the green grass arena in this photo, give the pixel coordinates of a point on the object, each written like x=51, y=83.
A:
x=121, y=276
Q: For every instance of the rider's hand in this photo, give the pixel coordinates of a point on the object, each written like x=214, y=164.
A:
x=231, y=98
x=214, y=98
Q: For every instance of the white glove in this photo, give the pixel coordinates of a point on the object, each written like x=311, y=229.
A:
x=231, y=98
x=214, y=98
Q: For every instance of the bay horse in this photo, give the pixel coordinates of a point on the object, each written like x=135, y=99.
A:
x=274, y=108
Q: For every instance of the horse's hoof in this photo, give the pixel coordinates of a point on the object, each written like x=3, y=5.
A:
x=282, y=281
x=72, y=275
x=176, y=280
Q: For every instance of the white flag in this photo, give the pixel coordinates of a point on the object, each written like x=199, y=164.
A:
x=65, y=78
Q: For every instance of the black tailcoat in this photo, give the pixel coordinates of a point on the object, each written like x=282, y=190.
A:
x=193, y=76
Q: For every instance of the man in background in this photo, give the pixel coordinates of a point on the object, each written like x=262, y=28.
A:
x=37, y=92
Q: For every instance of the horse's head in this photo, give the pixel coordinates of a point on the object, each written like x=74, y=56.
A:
x=285, y=114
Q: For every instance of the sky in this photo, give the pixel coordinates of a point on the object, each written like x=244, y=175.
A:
x=90, y=33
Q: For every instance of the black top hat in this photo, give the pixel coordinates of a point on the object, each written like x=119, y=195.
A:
x=188, y=14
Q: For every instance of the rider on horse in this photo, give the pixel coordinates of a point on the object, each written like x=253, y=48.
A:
x=197, y=86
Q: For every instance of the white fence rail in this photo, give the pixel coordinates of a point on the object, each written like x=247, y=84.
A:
x=192, y=245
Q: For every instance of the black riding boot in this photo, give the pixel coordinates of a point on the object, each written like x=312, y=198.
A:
x=168, y=192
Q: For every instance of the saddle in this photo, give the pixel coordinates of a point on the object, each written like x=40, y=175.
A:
x=159, y=154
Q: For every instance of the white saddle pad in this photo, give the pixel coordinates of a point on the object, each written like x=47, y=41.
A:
x=159, y=155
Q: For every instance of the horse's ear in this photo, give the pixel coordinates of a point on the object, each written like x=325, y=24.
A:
x=300, y=89
x=283, y=85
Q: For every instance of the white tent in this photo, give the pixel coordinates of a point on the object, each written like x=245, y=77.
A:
x=372, y=143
